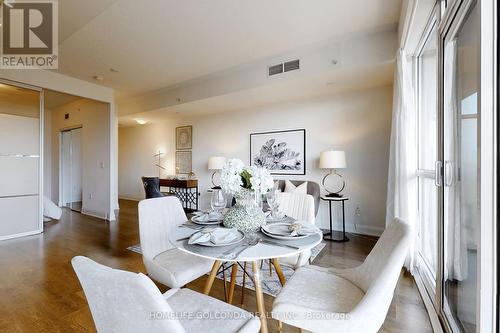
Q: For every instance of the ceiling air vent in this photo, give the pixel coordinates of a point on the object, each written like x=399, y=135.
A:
x=292, y=65
x=276, y=69
x=286, y=67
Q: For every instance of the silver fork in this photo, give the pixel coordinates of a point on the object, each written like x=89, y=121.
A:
x=233, y=253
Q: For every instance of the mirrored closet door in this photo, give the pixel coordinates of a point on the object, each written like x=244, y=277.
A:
x=20, y=165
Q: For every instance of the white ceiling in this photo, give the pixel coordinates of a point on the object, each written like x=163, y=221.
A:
x=334, y=83
x=160, y=43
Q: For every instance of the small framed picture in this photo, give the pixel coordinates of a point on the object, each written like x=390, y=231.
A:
x=281, y=152
x=184, y=137
x=183, y=162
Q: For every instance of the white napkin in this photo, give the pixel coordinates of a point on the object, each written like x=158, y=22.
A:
x=215, y=235
x=207, y=217
x=305, y=229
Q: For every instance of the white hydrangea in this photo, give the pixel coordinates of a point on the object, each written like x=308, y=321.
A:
x=261, y=179
x=231, y=181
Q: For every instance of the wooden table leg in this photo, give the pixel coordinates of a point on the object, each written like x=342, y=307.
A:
x=277, y=267
x=243, y=284
x=260, y=297
x=211, y=277
x=234, y=271
x=224, y=278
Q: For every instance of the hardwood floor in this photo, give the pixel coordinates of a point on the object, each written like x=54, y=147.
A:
x=40, y=292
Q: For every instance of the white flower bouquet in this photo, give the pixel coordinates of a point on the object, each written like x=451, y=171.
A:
x=235, y=176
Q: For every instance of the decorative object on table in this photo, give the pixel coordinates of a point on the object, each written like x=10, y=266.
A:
x=183, y=162
x=281, y=152
x=192, y=176
x=333, y=160
x=184, y=137
x=216, y=163
x=158, y=165
x=184, y=189
x=329, y=234
x=151, y=187
x=247, y=185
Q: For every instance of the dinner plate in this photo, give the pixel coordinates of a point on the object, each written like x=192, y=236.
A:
x=241, y=236
x=198, y=220
x=280, y=231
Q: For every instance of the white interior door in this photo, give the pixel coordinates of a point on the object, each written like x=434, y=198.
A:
x=20, y=169
x=71, y=168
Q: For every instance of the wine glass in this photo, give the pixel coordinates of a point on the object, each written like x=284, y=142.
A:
x=273, y=201
x=253, y=203
x=218, y=201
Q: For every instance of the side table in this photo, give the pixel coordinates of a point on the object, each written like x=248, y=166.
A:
x=329, y=234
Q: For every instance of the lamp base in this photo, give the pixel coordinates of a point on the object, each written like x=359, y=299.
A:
x=216, y=188
x=334, y=195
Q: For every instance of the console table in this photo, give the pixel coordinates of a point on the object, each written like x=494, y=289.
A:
x=329, y=234
x=184, y=189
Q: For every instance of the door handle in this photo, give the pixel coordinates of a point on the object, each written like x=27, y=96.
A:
x=438, y=179
x=448, y=173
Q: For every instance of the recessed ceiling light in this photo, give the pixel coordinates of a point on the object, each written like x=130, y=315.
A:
x=141, y=121
x=98, y=78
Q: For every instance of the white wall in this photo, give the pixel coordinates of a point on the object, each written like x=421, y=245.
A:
x=357, y=122
x=94, y=118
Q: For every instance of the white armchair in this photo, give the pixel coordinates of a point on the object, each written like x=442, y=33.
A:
x=124, y=302
x=163, y=262
x=300, y=207
x=346, y=300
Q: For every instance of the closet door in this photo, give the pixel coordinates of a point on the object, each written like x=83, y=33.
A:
x=19, y=161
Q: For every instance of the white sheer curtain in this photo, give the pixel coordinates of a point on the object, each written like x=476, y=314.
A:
x=402, y=189
x=455, y=238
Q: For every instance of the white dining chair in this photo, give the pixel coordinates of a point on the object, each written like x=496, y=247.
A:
x=346, y=300
x=163, y=262
x=123, y=302
x=300, y=207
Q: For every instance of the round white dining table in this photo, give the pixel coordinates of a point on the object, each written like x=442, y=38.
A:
x=267, y=249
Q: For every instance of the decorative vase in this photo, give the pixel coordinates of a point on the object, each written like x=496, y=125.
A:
x=238, y=217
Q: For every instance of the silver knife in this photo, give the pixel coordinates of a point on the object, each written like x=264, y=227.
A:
x=265, y=241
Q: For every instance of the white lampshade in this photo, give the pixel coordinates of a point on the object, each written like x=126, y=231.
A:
x=332, y=159
x=216, y=162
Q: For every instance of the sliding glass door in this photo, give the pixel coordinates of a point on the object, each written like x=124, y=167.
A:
x=427, y=61
x=461, y=157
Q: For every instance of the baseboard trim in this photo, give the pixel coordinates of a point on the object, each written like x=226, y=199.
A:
x=130, y=199
x=22, y=234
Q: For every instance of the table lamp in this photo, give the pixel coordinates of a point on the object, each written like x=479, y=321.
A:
x=216, y=163
x=333, y=160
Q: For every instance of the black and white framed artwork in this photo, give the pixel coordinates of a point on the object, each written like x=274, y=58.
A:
x=281, y=152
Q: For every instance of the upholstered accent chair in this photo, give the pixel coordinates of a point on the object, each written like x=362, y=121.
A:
x=151, y=187
x=346, y=300
x=313, y=189
x=127, y=302
x=164, y=263
x=300, y=207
